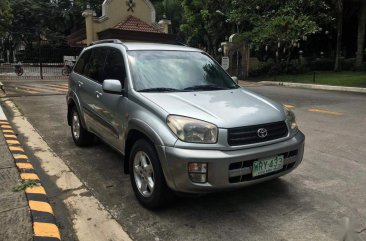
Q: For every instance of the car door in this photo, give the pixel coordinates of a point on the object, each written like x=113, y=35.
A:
x=79, y=78
x=90, y=87
x=111, y=107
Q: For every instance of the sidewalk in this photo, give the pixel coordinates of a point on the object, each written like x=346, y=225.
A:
x=25, y=214
x=304, y=86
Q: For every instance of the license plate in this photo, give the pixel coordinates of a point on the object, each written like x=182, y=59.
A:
x=267, y=165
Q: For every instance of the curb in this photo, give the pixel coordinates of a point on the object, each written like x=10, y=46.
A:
x=314, y=86
x=43, y=219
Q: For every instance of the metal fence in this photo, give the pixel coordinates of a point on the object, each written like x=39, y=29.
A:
x=32, y=71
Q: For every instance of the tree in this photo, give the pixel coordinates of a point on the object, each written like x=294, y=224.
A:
x=172, y=10
x=279, y=26
x=5, y=21
x=202, y=26
x=339, y=19
x=361, y=35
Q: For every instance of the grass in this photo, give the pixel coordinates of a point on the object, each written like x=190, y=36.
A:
x=345, y=78
x=22, y=186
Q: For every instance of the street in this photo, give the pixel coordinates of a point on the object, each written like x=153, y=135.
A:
x=307, y=204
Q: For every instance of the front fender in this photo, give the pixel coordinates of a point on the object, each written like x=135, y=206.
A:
x=147, y=130
x=72, y=97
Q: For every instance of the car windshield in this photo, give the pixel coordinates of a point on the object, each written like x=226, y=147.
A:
x=175, y=71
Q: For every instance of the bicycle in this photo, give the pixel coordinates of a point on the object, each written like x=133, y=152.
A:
x=66, y=70
x=19, y=71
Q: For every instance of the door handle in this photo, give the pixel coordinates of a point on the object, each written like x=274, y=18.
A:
x=99, y=94
x=80, y=83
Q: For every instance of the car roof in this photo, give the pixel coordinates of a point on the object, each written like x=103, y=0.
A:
x=157, y=46
x=130, y=46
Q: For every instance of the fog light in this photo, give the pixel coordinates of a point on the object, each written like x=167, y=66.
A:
x=197, y=172
x=197, y=177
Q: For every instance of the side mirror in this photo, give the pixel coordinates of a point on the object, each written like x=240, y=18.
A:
x=236, y=80
x=112, y=86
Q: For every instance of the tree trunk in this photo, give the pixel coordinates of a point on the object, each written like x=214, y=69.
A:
x=361, y=36
x=339, y=3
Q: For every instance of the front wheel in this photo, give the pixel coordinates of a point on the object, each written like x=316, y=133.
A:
x=80, y=135
x=147, y=177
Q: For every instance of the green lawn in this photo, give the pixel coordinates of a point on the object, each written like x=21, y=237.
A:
x=345, y=78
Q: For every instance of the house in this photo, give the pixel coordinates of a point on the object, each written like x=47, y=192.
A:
x=127, y=20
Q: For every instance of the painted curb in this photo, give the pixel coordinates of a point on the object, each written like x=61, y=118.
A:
x=43, y=219
x=314, y=86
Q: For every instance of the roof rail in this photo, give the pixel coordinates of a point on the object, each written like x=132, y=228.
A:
x=103, y=41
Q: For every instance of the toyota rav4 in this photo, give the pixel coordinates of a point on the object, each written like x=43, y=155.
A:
x=180, y=121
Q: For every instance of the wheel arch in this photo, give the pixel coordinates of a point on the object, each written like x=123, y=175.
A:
x=139, y=130
x=72, y=101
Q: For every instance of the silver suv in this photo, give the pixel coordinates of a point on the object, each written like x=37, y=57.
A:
x=181, y=122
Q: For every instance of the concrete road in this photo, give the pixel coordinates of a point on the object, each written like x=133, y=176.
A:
x=308, y=204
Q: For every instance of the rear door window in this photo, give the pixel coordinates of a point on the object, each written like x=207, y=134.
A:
x=94, y=68
x=84, y=58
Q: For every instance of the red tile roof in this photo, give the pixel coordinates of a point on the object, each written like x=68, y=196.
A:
x=135, y=24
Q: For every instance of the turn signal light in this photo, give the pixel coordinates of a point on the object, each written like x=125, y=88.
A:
x=197, y=172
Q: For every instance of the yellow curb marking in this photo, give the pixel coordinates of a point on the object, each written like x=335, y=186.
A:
x=5, y=126
x=58, y=87
x=289, y=106
x=29, y=176
x=46, y=230
x=10, y=136
x=20, y=156
x=24, y=166
x=326, y=112
x=29, y=89
x=12, y=142
x=35, y=190
x=16, y=148
x=8, y=131
x=40, y=206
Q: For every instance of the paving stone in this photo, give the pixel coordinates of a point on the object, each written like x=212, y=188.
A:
x=16, y=225
x=9, y=177
x=6, y=159
x=11, y=200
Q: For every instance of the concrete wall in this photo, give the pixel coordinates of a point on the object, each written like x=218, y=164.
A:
x=116, y=11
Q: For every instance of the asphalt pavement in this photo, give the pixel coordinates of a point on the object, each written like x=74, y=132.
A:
x=310, y=203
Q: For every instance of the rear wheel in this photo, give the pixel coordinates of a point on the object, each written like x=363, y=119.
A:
x=147, y=177
x=80, y=135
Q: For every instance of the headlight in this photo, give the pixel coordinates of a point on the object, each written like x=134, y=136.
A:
x=192, y=130
x=291, y=119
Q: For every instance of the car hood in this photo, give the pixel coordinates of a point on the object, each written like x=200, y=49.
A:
x=224, y=108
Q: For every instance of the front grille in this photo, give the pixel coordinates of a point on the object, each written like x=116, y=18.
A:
x=242, y=171
x=248, y=134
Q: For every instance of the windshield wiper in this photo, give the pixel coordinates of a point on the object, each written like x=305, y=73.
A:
x=159, y=90
x=206, y=87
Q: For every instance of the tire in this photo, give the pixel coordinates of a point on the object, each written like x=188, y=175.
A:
x=80, y=135
x=65, y=72
x=144, y=154
x=20, y=72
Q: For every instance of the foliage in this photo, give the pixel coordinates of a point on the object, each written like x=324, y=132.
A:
x=202, y=26
x=172, y=10
x=24, y=185
x=279, y=26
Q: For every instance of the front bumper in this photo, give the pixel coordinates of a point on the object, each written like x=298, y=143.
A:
x=227, y=169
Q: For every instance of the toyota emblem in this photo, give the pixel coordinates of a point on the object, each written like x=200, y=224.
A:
x=262, y=132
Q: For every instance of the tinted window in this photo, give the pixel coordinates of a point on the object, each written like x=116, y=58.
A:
x=94, y=68
x=79, y=68
x=114, y=67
